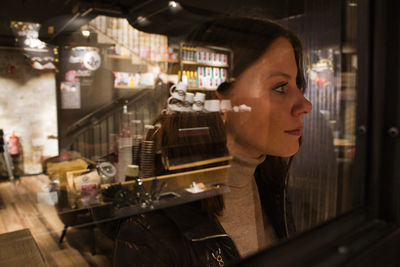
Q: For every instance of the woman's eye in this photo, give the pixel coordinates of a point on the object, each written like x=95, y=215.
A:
x=281, y=88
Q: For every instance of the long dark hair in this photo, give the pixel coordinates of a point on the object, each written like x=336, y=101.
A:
x=248, y=39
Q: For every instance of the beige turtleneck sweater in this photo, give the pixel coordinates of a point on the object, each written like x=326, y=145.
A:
x=243, y=218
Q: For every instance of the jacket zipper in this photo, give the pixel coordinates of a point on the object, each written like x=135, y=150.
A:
x=217, y=256
x=210, y=237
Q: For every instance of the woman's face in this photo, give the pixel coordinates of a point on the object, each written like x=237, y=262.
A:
x=274, y=124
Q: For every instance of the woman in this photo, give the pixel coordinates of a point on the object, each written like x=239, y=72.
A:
x=269, y=84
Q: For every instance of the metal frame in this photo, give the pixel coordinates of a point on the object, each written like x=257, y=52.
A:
x=386, y=115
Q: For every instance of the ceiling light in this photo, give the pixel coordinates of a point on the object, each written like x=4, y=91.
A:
x=142, y=21
x=86, y=33
x=174, y=6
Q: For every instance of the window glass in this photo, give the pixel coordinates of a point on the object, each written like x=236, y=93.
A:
x=176, y=128
x=321, y=184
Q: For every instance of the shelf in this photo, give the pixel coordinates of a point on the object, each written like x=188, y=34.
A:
x=131, y=87
x=119, y=57
x=187, y=62
x=194, y=48
x=182, y=197
x=109, y=212
x=162, y=61
x=182, y=179
x=130, y=58
x=201, y=89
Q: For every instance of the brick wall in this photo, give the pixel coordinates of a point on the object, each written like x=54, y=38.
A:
x=28, y=106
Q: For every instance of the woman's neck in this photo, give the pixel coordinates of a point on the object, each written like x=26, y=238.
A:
x=238, y=149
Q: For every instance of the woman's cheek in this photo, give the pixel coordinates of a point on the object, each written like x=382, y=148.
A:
x=245, y=118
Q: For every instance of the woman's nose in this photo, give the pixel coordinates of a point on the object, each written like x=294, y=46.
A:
x=303, y=106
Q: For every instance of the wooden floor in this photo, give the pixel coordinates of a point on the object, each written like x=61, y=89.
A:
x=19, y=209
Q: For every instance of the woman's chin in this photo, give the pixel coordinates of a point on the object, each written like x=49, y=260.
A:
x=285, y=152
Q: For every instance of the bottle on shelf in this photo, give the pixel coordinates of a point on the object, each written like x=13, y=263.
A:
x=193, y=54
x=184, y=77
x=184, y=54
x=196, y=82
x=192, y=79
x=131, y=80
x=125, y=131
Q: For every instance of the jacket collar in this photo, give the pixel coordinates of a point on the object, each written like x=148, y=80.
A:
x=193, y=224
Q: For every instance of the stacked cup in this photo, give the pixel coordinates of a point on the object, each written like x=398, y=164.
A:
x=180, y=100
x=176, y=100
x=136, y=145
x=212, y=105
x=198, y=103
x=188, y=102
x=147, y=159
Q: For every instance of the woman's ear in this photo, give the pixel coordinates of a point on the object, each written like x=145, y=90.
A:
x=222, y=94
x=223, y=90
x=219, y=96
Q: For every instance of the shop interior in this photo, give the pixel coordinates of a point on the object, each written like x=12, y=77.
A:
x=90, y=132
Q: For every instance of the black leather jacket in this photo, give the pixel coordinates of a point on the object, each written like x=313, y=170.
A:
x=183, y=236
x=179, y=236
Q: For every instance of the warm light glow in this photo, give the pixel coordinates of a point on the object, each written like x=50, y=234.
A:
x=174, y=6
x=142, y=21
x=86, y=33
x=50, y=30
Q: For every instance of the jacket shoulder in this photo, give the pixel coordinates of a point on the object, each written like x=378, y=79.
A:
x=147, y=240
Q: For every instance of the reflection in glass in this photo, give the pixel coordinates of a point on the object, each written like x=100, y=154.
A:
x=321, y=185
x=114, y=113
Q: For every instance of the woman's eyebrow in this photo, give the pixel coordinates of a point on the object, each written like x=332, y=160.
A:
x=274, y=74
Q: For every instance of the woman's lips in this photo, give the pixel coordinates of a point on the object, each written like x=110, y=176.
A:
x=296, y=132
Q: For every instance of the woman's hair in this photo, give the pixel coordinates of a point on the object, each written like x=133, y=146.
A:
x=248, y=39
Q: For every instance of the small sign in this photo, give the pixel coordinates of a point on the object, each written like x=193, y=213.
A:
x=92, y=60
x=88, y=191
x=70, y=95
x=87, y=57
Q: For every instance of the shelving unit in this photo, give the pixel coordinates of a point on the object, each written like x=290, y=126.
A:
x=187, y=62
x=203, y=74
x=204, y=66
